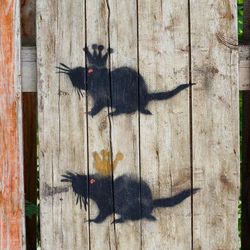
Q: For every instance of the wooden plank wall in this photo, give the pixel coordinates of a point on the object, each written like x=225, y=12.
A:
x=189, y=141
x=215, y=124
x=62, y=123
x=165, y=136
x=11, y=153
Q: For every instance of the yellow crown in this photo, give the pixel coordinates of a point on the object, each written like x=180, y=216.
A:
x=103, y=163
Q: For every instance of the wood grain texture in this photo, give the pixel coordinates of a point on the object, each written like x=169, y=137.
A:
x=29, y=69
x=62, y=123
x=11, y=167
x=164, y=136
x=215, y=124
x=125, y=127
x=99, y=126
x=157, y=148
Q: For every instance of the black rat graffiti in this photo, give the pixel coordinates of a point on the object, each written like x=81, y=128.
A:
x=127, y=89
x=132, y=198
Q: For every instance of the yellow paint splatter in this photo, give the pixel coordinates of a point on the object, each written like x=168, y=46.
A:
x=103, y=163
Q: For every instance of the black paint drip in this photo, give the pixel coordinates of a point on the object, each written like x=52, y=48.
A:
x=133, y=200
x=126, y=85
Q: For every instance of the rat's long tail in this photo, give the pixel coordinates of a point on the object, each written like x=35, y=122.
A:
x=174, y=200
x=167, y=94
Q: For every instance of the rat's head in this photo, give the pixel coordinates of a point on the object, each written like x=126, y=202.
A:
x=97, y=59
x=79, y=183
x=77, y=75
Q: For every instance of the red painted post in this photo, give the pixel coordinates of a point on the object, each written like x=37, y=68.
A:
x=11, y=159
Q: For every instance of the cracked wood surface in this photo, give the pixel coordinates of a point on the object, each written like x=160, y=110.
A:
x=153, y=39
x=11, y=167
x=61, y=123
x=215, y=110
x=164, y=136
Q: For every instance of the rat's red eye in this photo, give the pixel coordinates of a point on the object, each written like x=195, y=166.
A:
x=92, y=181
x=90, y=71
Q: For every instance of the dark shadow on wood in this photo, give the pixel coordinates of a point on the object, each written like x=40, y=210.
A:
x=245, y=166
x=28, y=22
x=245, y=173
x=30, y=162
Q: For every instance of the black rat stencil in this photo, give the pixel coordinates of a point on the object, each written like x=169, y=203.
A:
x=132, y=198
x=120, y=88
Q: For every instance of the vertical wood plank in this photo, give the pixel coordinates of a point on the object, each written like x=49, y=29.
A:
x=164, y=135
x=62, y=123
x=215, y=124
x=125, y=127
x=11, y=158
x=102, y=235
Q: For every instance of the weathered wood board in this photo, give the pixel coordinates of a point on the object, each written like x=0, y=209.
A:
x=164, y=136
x=215, y=127
x=102, y=234
x=124, y=128
x=11, y=158
x=62, y=124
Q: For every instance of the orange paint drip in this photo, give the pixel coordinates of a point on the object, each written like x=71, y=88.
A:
x=10, y=165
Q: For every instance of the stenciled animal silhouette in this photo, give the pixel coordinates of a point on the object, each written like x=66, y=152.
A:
x=132, y=198
x=122, y=89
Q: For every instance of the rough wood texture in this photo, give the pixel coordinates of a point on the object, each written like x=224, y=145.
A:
x=157, y=148
x=215, y=124
x=164, y=136
x=99, y=126
x=125, y=128
x=62, y=123
x=29, y=68
x=244, y=67
x=11, y=167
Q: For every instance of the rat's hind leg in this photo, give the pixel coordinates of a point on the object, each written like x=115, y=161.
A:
x=99, y=219
x=116, y=112
x=145, y=111
x=119, y=220
x=122, y=110
x=150, y=217
x=96, y=109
